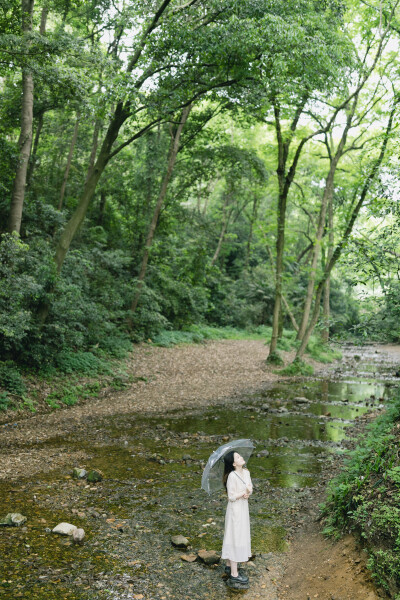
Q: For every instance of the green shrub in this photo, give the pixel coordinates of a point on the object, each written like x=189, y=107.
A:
x=11, y=379
x=297, y=367
x=5, y=401
x=365, y=497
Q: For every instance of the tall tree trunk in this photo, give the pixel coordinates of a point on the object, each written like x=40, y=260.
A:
x=32, y=160
x=101, y=207
x=93, y=152
x=69, y=161
x=288, y=309
x=326, y=199
x=285, y=180
x=173, y=151
x=221, y=238
x=25, y=137
x=327, y=289
x=78, y=216
x=43, y=20
x=338, y=250
x=250, y=238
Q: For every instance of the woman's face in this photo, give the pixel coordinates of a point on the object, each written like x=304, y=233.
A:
x=238, y=461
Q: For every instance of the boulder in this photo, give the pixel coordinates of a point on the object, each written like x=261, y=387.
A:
x=95, y=476
x=78, y=473
x=179, y=541
x=78, y=536
x=14, y=520
x=209, y=557
x=64, y=529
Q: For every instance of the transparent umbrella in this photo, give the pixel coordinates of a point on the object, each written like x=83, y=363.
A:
x=211, y=480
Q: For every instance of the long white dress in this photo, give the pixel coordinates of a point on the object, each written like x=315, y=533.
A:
x=237, y=543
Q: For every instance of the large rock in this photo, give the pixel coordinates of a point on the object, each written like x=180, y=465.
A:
x=14, y=520
x=209, y=557
x=179, y=541
x=79, y=473
x=94, y=476
x=301, y=400
x=64, y=529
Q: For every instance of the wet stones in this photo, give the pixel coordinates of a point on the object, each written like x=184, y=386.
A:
x=209, y=557
x=78, y=536
x=13, y=520
x=64, y=529
x=263, y=453
x=301, y=400
x=189, y=557
x=78, y=473
x=179, y=541
x=95, y=476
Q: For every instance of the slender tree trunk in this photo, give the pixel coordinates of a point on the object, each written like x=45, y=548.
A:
x=285, y=181
x=225, y=223
x=102, y=207
x=338, y=250
x=25, y=138
x=327, y=289
x=39, y=127
x=326, y=199
x=90, y=186
x=32, y=160
x=173, y=151
x=250, y=238
x=93, y=152
x=43, y=20
x=288, y=309
x=69, y=161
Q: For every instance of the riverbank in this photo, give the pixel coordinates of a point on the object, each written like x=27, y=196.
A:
x=163, y=380
x=151, y=441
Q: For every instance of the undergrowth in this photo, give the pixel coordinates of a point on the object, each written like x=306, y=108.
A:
x=365, y=498
x=297, y=367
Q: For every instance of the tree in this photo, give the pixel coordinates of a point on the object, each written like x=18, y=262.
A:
x=25, y=137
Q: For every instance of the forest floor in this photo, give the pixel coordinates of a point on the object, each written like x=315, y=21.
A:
x=192, y=377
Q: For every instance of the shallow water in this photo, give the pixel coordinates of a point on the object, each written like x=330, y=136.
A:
x=152, y=470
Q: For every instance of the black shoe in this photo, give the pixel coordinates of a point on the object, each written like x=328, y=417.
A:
x=241, y=579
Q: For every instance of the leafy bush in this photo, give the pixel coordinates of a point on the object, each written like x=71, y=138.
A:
x=365, y=497
x=5, y=400
x=11, y=379
x=297, y=367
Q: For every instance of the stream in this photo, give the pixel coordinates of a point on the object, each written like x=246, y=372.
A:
x=152, y=469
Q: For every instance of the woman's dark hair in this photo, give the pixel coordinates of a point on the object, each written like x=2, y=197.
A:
x=228, y=466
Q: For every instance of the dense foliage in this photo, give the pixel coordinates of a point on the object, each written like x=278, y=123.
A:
x=364, y=498
x=172, y=163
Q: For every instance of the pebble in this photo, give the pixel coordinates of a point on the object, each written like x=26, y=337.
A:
x=179, y=541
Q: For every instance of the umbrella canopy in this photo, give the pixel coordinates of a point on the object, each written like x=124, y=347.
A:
x=214, y=469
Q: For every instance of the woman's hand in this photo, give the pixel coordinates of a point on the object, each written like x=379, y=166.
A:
x=246, y=495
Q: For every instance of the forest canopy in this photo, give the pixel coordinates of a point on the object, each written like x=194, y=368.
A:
x=166, y=164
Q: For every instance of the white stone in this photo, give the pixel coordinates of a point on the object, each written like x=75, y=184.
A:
x=65, y=529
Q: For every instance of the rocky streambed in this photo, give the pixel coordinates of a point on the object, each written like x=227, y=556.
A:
x=150, y=491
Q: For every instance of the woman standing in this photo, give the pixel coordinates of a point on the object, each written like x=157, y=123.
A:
x=236, y=547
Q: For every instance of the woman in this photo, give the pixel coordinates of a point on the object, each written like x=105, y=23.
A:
x=236, y=546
